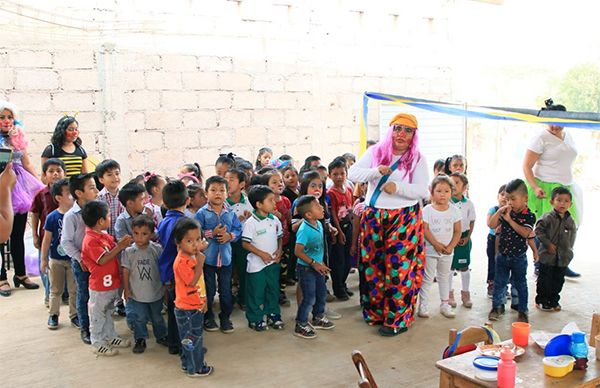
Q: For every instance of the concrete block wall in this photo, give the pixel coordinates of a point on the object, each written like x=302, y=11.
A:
x=157, y=108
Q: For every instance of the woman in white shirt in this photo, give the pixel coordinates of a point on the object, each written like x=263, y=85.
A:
x=392, y=235
x=548, y=164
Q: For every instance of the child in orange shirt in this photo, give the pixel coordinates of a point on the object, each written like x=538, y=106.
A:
x=190, y=291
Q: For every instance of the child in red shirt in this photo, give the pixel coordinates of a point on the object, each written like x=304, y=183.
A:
x=341, y=199
x=190, y=299
x=283, y=211
x=99, y=254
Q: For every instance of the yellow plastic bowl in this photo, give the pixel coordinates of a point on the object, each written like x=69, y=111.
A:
x=558, y=366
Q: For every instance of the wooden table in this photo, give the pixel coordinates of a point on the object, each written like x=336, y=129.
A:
x=459, y=372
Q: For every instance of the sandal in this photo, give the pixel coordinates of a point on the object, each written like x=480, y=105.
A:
x=5, y=288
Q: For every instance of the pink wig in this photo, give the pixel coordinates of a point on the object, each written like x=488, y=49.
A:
x=383, y=153
x=16, y=135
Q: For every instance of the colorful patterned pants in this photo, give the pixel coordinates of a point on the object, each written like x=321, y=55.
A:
x=392, y=264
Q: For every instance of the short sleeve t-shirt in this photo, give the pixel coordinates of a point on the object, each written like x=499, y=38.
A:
x=239, y=208
x=188, y=297
x=556, y=157
x=73, y=160
x=467, y=211
x=43, y=204
x=491, y=212
x=102, y=277
x=341, y=203
x=144, y=277
x=511, y=243
x=263, y=233
x=441, y=225
x=311, y=237
x=54, y=224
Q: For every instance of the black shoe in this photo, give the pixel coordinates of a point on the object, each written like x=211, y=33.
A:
x=386, y=331
x=514, y=307
x=569, y=273
x=495, y=314
x=140, y=346
x=205, y=371
x=227, y=326
x=258, y=326
x=75, y=322
x=173, y=349
x=121, y=310
x=25, y=282
x=283, y=300
x=350, y=293
x=342, y=297
x=53, y=322
x=211, y=325
x=162, y=341
x=85, y=337
x=275, y=321
x=523, y=317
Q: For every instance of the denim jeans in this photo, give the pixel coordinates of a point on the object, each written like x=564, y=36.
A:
x=141, y=313
x=314, y=292
x=221, y=277
x=513, y=269
x=190, y=324
x=83, y=295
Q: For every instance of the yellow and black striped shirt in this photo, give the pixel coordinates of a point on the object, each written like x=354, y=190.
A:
x=73, y=160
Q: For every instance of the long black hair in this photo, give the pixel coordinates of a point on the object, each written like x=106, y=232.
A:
x=59, y=135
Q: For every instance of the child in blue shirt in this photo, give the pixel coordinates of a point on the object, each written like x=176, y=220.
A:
x=175, y=198
x=53, y=256
x=310, y=250
x=221, y=227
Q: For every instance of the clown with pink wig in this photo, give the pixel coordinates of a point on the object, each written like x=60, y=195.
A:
x=27, y=186
x=392, y=242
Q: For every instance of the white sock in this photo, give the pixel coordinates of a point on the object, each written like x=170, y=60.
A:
x=466, y=279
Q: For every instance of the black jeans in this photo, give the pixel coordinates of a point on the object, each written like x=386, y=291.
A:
x=172, y=330
x=340, y=261
x=17, y=247
x=549, y=285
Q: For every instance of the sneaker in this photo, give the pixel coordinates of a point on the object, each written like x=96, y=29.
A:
x=343, y=297
x=140, y=346
x=274, y=320
x=164, y=341
x=205, y=371
x=121, y=310
x=447, y=311
x=495, y=314
x=544, y=307
x=350, y=293
x=75, y=322
x=283, y=300
x=569, y=273
x=258, y=326
x=53, y=322
x=119, y=342
x=329, y=298
x=386, y=331
x=523, y=317
x=227, y=326
x=423, y=313
x=332, y=314
x=85, y=337
x=210, y=325
x=105, y=351
x=304, y=331
x=322, y=323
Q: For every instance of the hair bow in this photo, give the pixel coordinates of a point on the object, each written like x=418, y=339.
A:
x=189, y=175
x=148, y=176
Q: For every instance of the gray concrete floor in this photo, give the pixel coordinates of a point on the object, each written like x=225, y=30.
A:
x=32, y=355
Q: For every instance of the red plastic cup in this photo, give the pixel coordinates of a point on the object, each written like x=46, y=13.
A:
x=520, y=333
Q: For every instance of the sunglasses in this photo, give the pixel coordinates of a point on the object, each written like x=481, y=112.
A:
x=408, y=130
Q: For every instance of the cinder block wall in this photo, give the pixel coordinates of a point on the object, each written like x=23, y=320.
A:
x=230, y=78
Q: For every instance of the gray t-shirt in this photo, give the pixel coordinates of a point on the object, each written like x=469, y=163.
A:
x=144, y=277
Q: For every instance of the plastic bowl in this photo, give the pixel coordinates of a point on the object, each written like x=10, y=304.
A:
x=486, y=368
x=559, y=366
x=558, y=346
